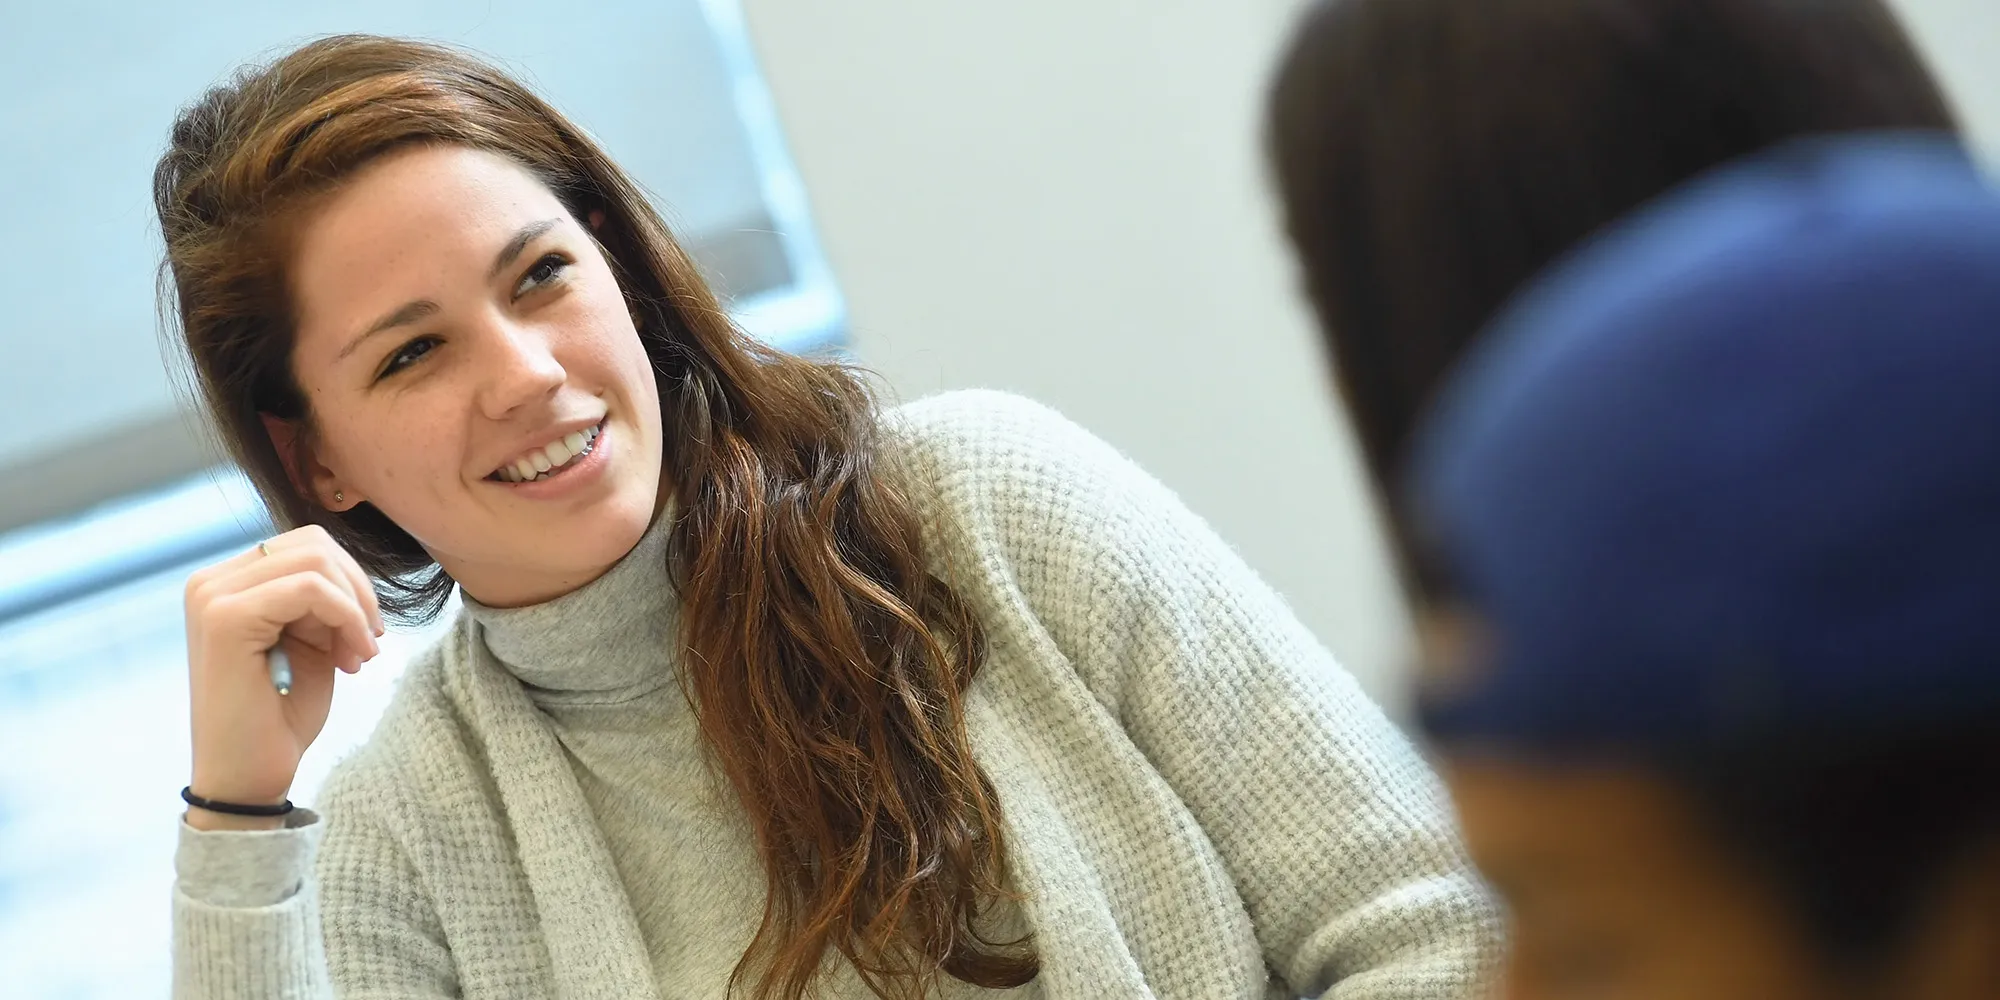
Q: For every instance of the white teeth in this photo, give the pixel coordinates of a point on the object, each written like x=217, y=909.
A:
x=539, y=463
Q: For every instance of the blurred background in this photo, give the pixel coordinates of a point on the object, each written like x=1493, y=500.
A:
x=1064, y=199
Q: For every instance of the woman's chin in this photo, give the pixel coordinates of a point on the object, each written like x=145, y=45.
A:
x=542, y=558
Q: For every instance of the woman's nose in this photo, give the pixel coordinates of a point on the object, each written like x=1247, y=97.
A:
x=521, y=368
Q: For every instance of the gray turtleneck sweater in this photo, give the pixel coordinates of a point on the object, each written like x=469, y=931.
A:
x=1199, y=802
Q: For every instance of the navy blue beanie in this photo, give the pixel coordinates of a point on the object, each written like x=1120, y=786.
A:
x=1734, y=467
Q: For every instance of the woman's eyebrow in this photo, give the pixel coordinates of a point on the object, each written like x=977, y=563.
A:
x=410, y=312
x=520, y=242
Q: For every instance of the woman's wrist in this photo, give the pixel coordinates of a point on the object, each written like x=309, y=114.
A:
x=233, y=812
x=203, y=819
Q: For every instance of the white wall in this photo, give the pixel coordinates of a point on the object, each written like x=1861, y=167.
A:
x=1065, y=198
x=1962, y=40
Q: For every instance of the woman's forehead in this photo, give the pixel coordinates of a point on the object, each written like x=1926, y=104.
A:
x=411, y=226
x=429, y=197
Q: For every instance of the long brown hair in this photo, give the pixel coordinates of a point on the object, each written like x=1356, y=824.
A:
x=826, y=664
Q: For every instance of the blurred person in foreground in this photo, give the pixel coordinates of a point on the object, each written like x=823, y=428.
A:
x=1433, y=158
x=1720, y=499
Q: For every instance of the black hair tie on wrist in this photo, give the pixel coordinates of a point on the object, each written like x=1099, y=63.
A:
x=233, y=808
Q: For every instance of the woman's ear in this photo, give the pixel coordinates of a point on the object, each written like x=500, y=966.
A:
x=596, y=219
x=310, y=477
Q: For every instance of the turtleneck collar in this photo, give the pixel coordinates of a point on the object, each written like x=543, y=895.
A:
x=609, y=640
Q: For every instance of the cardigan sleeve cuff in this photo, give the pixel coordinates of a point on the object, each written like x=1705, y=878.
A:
x=246, y=868
x=246, y=916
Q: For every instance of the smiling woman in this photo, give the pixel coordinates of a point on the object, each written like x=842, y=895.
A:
x=758, y=683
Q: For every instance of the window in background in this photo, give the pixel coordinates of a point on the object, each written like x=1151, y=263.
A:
x=108, y=498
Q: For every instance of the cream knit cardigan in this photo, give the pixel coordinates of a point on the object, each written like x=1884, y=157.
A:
x=1199, y=802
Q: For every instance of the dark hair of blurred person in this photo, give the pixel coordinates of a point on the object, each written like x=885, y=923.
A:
x=1433, y=155
x=1721, y=494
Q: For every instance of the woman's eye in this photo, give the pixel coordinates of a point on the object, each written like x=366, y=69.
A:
x=546, y=270
x=407, y=355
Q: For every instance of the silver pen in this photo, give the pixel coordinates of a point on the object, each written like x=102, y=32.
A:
x=281, y=669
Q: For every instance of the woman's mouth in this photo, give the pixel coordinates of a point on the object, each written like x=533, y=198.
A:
x=551, y=459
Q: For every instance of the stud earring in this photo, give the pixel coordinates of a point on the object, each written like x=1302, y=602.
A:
x=338, y=496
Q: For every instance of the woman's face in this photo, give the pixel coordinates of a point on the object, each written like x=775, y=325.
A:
x=458, y=331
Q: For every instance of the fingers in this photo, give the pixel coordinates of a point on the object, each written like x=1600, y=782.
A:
x=305, y=550
x=299, y=604
x=316, y=537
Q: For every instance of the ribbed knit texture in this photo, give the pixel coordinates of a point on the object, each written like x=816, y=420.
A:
x=1199, y=802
